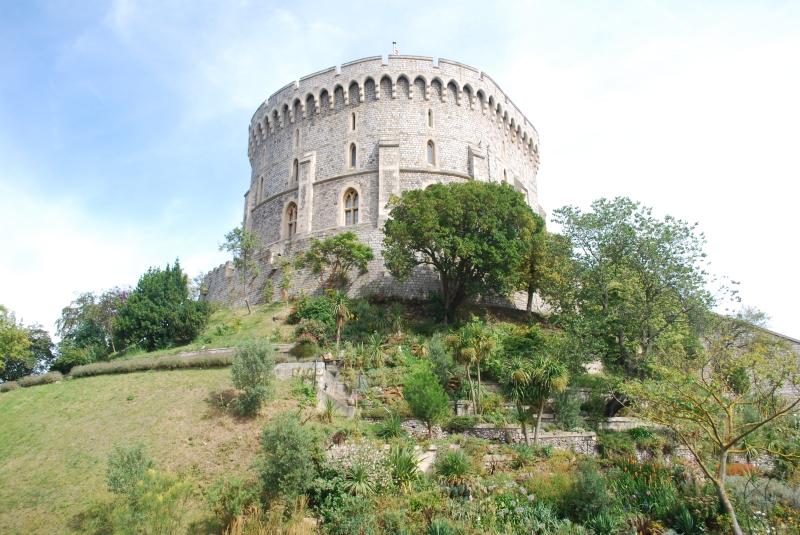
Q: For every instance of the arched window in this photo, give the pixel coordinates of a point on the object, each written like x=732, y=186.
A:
x=351, y=207
x=295, y=171
x=291, y=220
x=353, y=121
x=353, y=155
x=430, y=118
x=430, y=153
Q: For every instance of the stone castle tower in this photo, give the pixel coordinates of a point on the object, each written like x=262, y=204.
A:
x=328, y=151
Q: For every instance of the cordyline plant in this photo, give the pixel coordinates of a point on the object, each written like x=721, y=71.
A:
x=703, y=397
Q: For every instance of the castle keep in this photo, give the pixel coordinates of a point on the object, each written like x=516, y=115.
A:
x=329, y=150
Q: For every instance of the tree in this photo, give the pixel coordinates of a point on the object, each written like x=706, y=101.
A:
x=640, y=280
x=425, y=396
x=469, y=233
x=252, y=370
x=332, y=260
x=15, y=353
x=287, y=273
x=90, y=320
x=244, y=246
x=534, y=263
x=340, y=309
x=704, y=396
x=517, y=380
x=549, y=376
x=159, y=313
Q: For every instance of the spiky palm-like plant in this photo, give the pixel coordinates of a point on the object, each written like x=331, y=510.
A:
x=550, y=376
x=340, y=308
x=357, y=481
x=404, y=466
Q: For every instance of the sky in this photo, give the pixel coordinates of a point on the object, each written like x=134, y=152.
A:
x=123, y=124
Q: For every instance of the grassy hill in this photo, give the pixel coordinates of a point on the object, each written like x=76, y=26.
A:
x=54, y=439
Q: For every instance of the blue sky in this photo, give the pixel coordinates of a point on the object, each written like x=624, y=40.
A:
x=123, y=125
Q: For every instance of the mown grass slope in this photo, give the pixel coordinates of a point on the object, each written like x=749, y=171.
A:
x=54, y=439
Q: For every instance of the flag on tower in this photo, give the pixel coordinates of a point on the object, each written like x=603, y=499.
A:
x=394, y=47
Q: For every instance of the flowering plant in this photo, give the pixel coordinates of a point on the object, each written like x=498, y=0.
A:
x=364, y=456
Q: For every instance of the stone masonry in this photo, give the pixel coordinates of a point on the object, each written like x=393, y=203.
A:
x=301, y=143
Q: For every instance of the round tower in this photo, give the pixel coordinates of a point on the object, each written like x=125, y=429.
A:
x=328, y=151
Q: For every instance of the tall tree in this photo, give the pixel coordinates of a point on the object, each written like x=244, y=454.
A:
x=15, y=353
x=702, y=396
x=333, y=259
x=90, y=319
x=244, y=246
x=469, y=233
x=425, y=396
x=534, y=264
x=159, y=313
x=640, y=279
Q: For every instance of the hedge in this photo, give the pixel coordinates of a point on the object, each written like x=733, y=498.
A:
x=152, y=363
x=9, y=386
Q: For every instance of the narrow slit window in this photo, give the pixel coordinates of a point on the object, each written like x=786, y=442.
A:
x=291, y=220
x=297, y=138
x=353, y=155
x=351, y=207
x=430, y=153
x=353, y=122
x=430, y=118
x=295, y=171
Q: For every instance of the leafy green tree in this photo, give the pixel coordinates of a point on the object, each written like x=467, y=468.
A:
x=289, y=457
x=469, y=233
x=640, y=280
x=252, y=370
x=714, y=408
x=15, y=347
x=89, y=321
x=159, y=313
x=534, y=264
x=333, y=259
x=440, y=359
x=425, y=396
x=340, y=309
x=244, y=246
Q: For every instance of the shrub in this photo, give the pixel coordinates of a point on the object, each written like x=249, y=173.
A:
x=440, y=526
x=313, y=308
x=253, y=368
x=459, y=424
x=426, y=397
x=304, y=348
x=391, y=427
x=316, y=328
x=604, y=524
x=346, y=515
x=231, y=497
x=368, y=455
x=403, y=461
x=9, y=386
x=616, y=446
x=453, y=468
x=156, y=505
x=568, y=410
x=686, y=524
x=127, y=465
x=440, y=359
x=289, y=456
x=153, y=363
x=588, y=496
x=45, y=379
x=527, y=455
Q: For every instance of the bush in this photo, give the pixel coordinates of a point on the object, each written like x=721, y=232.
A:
x=45, y=379
x=392, y=427
x=127, y=465
x=156, y=505
x=153, y=363
x=9, y=386
x=459, y=424
x=253, y=368
x=231, y=497
x=304, y=348
x=289, y=456
x=453, y=467
x=403, y=461
x=616, y=446
x=568, y=410
x=313, y=308
x=589, y=496
x=316, y=328
x=440, y=360
x=425, y=396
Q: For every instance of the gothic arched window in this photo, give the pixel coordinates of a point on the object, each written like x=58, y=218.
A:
x=351, y=207
x=431, y=154
x=291, y=220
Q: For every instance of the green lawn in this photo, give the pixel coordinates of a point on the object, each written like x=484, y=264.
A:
x=54, y=439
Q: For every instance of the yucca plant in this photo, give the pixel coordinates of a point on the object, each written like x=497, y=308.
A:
x=604, y=524
x=397, y=317
x=328, y=411
x=375, y=350
x=685, y=523
x=357, y=481
x=392, y=427
x=440, y=527
x=404, y=466
x=453, y=468
x=381, y=321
